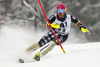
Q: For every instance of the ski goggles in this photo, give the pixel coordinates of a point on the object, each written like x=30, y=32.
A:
x=60, y=11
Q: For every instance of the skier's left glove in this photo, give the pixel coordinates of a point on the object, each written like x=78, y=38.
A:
x=83, y=29
x=47, y=26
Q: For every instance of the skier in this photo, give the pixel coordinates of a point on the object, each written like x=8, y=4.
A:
x=64, y=21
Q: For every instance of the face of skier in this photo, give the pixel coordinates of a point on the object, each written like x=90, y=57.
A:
x=60, y=13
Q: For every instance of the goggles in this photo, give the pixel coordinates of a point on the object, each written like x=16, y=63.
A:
x=60, y=10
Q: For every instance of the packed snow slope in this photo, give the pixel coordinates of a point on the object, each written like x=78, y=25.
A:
x=14, y=41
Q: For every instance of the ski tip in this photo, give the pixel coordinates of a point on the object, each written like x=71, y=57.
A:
x=21, y=60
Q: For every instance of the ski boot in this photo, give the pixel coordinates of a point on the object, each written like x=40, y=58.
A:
x=37, y=56
x=32, y=48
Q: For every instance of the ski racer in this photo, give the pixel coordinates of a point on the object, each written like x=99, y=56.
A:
x=64, y=21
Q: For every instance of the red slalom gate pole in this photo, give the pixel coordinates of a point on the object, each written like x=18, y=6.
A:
x=50, y=26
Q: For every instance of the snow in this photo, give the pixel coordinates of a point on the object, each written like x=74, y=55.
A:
x=14, y=40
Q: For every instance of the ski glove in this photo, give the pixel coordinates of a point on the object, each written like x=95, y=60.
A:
x=53, y=25
x=83, y=29
x=47, y=25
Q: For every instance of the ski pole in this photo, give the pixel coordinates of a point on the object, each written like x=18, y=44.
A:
x=50, y=26
x=92, y=33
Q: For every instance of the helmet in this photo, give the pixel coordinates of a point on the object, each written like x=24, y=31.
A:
x=62, y=6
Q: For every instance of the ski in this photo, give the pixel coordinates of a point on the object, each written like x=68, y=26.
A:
x=37, y=58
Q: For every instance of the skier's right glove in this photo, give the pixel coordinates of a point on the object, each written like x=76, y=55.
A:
x=53, y=25
x=83, y=29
